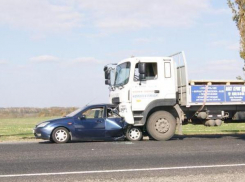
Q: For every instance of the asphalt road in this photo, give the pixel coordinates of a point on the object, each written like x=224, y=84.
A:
x=202, y=158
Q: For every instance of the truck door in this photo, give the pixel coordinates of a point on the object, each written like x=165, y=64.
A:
x=145, y=92
x=159, y=84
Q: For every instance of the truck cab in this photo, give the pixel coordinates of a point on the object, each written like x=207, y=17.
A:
x=142, y=86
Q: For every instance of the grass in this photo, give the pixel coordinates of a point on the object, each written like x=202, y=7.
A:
x=225, y=128
x=20, y=129
x=17, y=129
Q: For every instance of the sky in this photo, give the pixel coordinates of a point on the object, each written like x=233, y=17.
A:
x=52, y=52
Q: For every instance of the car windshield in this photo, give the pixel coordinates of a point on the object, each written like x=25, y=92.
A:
x=74, y=112
x=122, y=74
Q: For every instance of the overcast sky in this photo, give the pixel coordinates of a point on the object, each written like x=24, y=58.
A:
x=52, y=53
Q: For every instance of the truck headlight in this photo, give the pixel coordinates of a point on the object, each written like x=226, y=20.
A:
x=42, y=124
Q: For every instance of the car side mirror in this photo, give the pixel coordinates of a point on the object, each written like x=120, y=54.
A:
x=82, y=117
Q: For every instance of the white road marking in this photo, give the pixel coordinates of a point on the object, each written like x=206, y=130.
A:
x=122, y=170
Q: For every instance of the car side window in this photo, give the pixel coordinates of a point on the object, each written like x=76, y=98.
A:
x=93, y=113
x=111, y=114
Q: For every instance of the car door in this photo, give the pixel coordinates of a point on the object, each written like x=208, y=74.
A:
x=90, y=124
x=113, y=124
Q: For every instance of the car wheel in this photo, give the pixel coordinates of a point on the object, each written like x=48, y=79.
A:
x=134, y=134
x=51, y=140
x=60, y=135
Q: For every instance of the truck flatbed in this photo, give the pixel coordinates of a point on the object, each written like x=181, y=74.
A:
x=218, y=92
x=216, y=82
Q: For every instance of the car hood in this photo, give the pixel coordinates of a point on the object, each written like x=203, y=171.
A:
x=56, y=120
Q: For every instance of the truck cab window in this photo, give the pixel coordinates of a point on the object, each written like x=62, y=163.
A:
x=122, y=74
x=167, y=70
x=151, y=71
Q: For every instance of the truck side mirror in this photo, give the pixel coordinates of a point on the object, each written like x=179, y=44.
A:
x=107, y=75
x=141, y=68
x=141, y=71
x=108, y=82
x=142, y=77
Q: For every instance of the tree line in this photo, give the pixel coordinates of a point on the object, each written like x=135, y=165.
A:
x=21, y=112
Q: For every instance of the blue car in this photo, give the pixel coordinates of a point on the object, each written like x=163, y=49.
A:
x=94, y=122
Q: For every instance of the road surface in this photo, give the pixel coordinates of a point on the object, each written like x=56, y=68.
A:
x=202, y=158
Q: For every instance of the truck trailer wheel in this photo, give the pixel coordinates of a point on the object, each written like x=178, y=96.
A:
x=161, y=125
x=210, y=122
x=218, y=122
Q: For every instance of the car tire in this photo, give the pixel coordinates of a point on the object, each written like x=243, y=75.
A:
x=51, y=140
x=60, y=135
x=134, y=134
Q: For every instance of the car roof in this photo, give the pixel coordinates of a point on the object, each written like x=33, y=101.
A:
x=101, y=105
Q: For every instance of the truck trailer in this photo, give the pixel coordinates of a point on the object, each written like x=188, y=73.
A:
x=153, y=94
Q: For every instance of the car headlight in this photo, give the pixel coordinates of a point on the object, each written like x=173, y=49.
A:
x=42, y=124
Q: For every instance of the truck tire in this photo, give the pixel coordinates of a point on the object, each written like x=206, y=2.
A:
x=161, y=125
x=218, y=122
x=206, y=123
x=209, y=122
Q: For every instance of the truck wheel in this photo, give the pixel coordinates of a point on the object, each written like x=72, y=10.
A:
x=161, y=125
x=210, y=122
x=60, y=135
x=206, y=123
x=218, y=122
x=134, y=134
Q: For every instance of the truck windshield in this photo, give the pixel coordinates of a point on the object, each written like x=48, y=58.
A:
x=122, y=74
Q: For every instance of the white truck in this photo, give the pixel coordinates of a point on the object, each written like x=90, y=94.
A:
x=153, y=94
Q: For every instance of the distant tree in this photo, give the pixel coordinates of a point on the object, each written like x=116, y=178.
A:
x=238, y=10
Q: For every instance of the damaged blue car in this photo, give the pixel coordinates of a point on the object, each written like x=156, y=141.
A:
x=94, y=122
